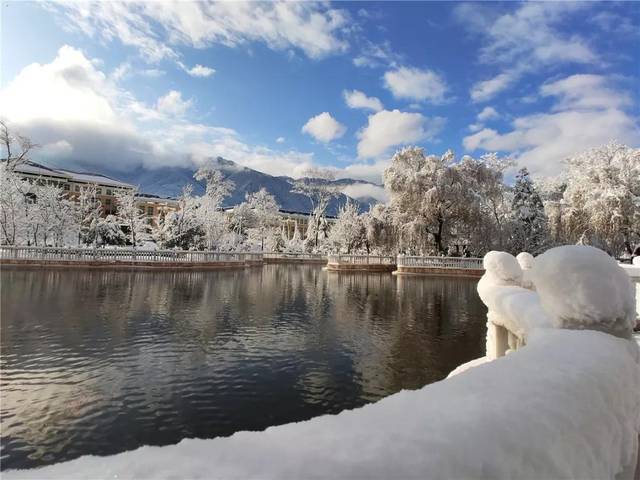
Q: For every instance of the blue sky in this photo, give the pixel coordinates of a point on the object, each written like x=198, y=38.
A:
x=280, y=87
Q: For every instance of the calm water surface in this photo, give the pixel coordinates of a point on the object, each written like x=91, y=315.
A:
x=98, y=362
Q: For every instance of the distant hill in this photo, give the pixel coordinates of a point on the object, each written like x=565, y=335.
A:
x=168, y=181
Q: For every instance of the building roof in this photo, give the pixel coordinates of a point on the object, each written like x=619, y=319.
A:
x=33, y=168
x=97, y=178
x=155, y=198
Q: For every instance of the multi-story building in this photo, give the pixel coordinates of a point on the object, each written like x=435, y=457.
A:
x=73, y=183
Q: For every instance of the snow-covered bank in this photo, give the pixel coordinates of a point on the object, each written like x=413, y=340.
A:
x=564, y=404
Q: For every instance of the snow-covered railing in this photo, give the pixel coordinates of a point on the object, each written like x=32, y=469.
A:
x=293, y=256
x=115, y=255
x=554, y=291
x=440, y=262
x=348, y=259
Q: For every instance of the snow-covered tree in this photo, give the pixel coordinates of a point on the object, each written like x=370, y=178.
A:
x=317, y=186
x=210, y=213
x=602, y=197
x=88, y=213
x=484, y=224
x=427, y=196
x=264, y=218
x=110, y=232
x=348, y=233
x=181, y=228
x=16, y=147
x=51, y=213
x=382, y=235
x=13, y=206
x=529, y=218
x=130, y=216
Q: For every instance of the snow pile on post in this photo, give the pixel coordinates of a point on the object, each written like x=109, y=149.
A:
x=582, y=287
x=565, y=406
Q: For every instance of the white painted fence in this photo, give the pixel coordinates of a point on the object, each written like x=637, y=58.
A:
x=123, y=255
x=440, y=262
x=347, y=259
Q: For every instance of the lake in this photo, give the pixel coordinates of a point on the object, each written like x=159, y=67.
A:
x=100, y=361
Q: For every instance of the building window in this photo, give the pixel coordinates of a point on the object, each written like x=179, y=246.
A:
x=98, y=191
x=107, y=201
x=77, y=189
x=149, y=210
x=67, y=186
x=109, y=191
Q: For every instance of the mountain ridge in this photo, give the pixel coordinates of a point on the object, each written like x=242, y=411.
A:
x=169, y=181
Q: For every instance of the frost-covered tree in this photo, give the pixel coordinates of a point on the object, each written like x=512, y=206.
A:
x=382, y=235
x=15, y=199
x=210, y=213
x=317, y=186
x=130, y=216
x=181, y=228
x=348, y=233
x=16, y=147
x=88, y=213
x=109, y=231
x=601, y=201
x=484, y=224
x=51, y=213
x=427, y=197
x=529, y=218
x=264, y=218
x=13, y=206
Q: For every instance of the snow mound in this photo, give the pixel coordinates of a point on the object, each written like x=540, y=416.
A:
x=525, y=260
x=581, y=287
x=501, y=268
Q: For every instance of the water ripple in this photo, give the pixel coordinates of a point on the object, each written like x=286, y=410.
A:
x=101, y=362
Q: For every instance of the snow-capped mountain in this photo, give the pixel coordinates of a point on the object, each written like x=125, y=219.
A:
x=168, y=181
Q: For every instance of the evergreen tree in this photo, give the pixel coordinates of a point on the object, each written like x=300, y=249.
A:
x=530, y=221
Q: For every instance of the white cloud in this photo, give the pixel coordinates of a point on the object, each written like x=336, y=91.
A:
x=125, y=70
x=173, y=104
x=157, y=29
x=280, y=140
x=587, y=112
x=201, y=71
x=83, y=119
x=584, y=92
x=373, y=55
x=488, y=113
x=324, y=127
x=365, y=191
x=357, y=99
x=527, y=38
x=371, y=172
x=487, y=89
x=416, y=84
x=386, y=129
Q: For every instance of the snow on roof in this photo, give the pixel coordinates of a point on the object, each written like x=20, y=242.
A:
x=155, y=198
x=33, y=168
x=97, y=178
